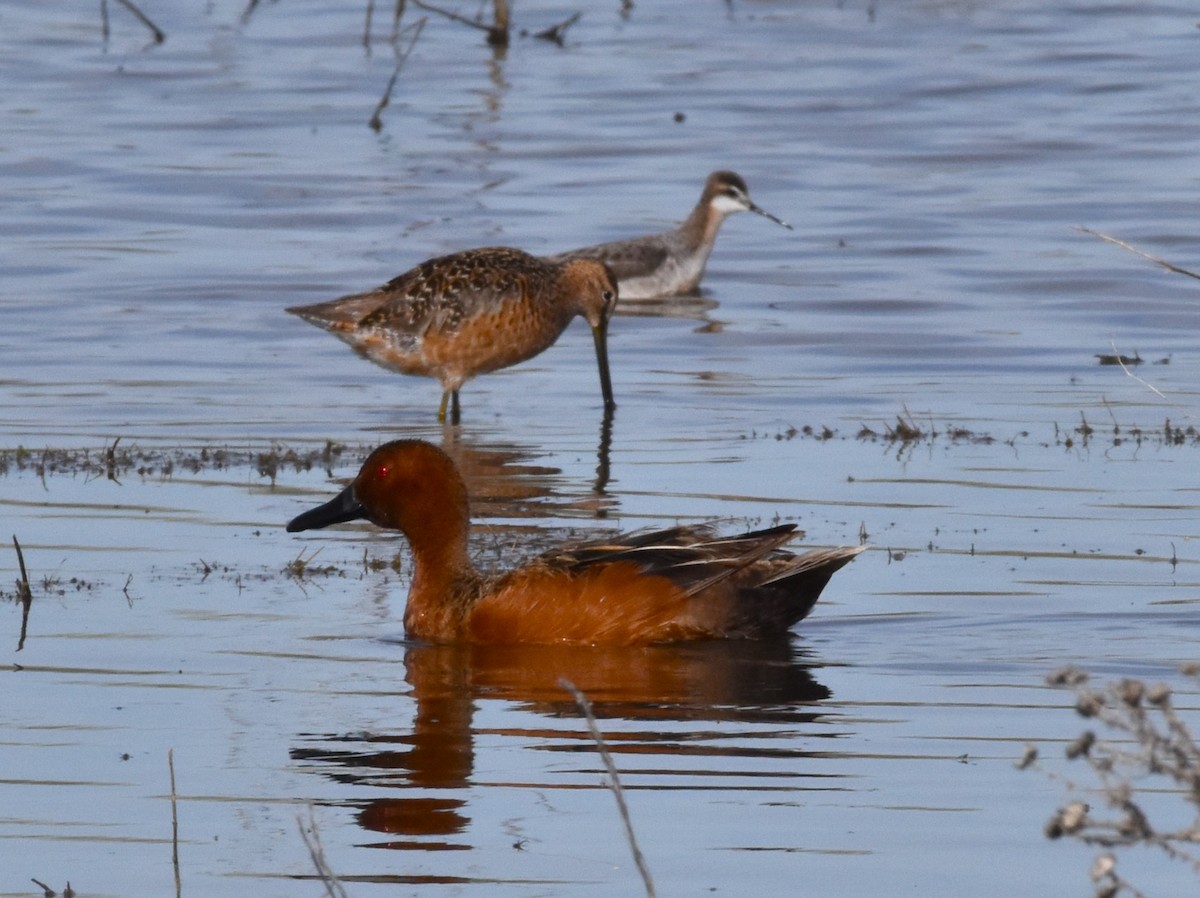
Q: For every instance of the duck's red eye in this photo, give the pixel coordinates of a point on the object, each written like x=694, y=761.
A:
x=381, y=472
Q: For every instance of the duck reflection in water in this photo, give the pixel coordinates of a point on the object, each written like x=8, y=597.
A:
x=650, y=689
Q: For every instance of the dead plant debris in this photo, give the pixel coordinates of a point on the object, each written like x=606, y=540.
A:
x=114, y=461
x=1136, y=745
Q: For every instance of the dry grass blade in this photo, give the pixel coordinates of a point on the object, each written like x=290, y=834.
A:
x=614, y=781
x=312, y=841
x=159, y=36
x=1121, y=361
x=497, y=33
x=376, y=121
x=397, y=15
x=367, y=25
x=24, y=594
x=174, y=824
x=110, y=461
x=557, y=32
x=1137, y=252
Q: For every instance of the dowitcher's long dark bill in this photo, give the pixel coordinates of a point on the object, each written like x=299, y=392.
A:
x=341, y=508
x=600, y=338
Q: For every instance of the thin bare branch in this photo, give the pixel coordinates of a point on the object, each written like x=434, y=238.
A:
x=557, y=32
x=174, y=824
x=1121, y=361
x=1150, y=740
x=498, y=36
x=1137, y=252
x=497, y=33
x=312, y=841
x=397, y=15
x=376, y=121
x=614, y=780
x=24, y=594
x=159, y=36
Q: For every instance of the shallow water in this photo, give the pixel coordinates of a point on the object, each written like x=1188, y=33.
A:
x=163, y=204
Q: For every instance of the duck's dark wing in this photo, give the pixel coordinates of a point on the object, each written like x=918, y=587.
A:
x=745, y=585
x=774, y=594
x=693, y=557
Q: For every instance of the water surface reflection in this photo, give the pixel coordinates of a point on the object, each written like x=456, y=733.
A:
x=664, y=701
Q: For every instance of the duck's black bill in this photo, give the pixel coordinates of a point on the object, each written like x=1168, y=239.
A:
x=341, y=508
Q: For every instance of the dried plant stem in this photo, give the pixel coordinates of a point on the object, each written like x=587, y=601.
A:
x=174, y=824
x=24, y=594
x=397, y=15
x=416, y=27
x=159, y=35
x=497, y=33
x=312, y=841
x=614, y=780
x=110, y=461
x=367, y=25
x=1152, y=741
x=556, y=33
x=1137, y=252
x=1120, y=361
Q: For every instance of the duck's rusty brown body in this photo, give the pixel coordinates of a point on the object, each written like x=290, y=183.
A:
x=672, y=585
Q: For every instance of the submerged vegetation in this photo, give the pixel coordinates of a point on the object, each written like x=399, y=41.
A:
x=114, y=461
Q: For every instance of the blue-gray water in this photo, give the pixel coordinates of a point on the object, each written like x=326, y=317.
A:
x=163, y=204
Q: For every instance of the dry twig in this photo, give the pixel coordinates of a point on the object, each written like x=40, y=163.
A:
x=312, y=841
x=1152, y=741
x=556, y=33
x=1121, y=361
x=159, y=35
x=110, y=461
x=1137, y=252
x=497, y=32
x=376, y=121
x=614, y=781
x=174, y=824
x=397, y=15
x=24, y=594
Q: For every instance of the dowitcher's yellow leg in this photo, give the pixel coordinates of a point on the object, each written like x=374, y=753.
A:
x=449, y=398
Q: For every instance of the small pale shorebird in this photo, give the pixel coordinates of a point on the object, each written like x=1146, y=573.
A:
x=672, y=263
x=473, y=312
